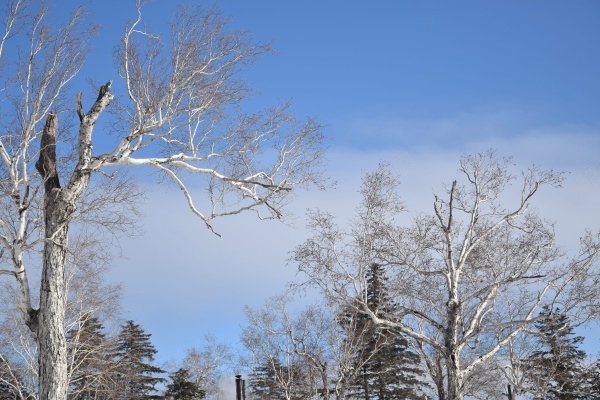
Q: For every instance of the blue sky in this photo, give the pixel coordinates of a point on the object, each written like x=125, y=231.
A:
x=414, y=83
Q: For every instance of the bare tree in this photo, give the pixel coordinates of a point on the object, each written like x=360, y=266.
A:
x=271, y=351
x=180, y=115
x=207, y=365
x=470, y=277
x=324, y=340
x=18, y=359
x=511, y=365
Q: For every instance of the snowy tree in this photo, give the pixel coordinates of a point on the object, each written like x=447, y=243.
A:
x=469, y=277
x=87, y=293
x=276, y=368
x=322, y=341
x=91, y=364
x=392, y=369
x=136, y=376
x=179, y=114
x=556, y=369
x=208, y=365
x=11, y=383
x=593, y=381
x=272, y=380
x=182, y=388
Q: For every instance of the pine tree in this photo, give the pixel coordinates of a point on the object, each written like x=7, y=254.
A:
x=11, y=383
x=388, y=368
x=593, y=382
x=263, y=382
x=90, y=356
x=137, y=377
x=6, y=391
x=271, y=381
x=181, y=388
x=555, y=371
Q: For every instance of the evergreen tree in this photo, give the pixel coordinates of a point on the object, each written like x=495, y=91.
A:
x=388, y=368
x=593, y=382
x=263, y=382
x=555, y=370
x=7, y=392
x=271, y=381
x=137, y=377
x=11, y=387
x=181, y=388
x=90, y=356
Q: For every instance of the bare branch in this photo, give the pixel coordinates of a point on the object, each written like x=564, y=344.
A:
x=181, y=116
x=463, y=304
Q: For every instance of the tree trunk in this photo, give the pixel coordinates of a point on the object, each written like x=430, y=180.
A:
x=453, y=306
x=365, y=383
x=51, y=316
x=510, y=393
x=325, y=381
x=439, y=379
x=453, y=379
x=452, y=356
x=48, y=323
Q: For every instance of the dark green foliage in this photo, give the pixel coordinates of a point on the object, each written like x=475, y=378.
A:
x=181, y=388
x=555, y=370
x=263, y=382
x=11, y=383
x=90, y=361
x=137, y=377
x=270, y=381
x=7, y=392
x=593, y=382
x=388, y=368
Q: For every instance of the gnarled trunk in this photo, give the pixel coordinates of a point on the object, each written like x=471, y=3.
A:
x=51, y=316
x=48, y=323
x=452, y=352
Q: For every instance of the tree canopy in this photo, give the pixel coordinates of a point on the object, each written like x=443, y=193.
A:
x=172, y=104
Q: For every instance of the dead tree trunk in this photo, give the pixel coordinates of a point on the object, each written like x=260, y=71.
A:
x=48, y=323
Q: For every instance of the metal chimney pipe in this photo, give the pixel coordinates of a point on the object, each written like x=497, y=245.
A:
x=238, y=387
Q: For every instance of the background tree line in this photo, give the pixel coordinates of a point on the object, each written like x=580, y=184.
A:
x=473, y=282
x=287, y=351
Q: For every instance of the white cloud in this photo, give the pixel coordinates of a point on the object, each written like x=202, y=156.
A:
x=181, y=281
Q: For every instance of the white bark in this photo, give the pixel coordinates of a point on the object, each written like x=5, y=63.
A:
x=59, y=205
x=87, y=295
x=180, y=113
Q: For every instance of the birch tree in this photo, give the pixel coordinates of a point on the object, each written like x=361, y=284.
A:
x=276, y=367
x=326, y=341
x=178, y=113
x=87, y=293
x=208, y=366
x=469, y=277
